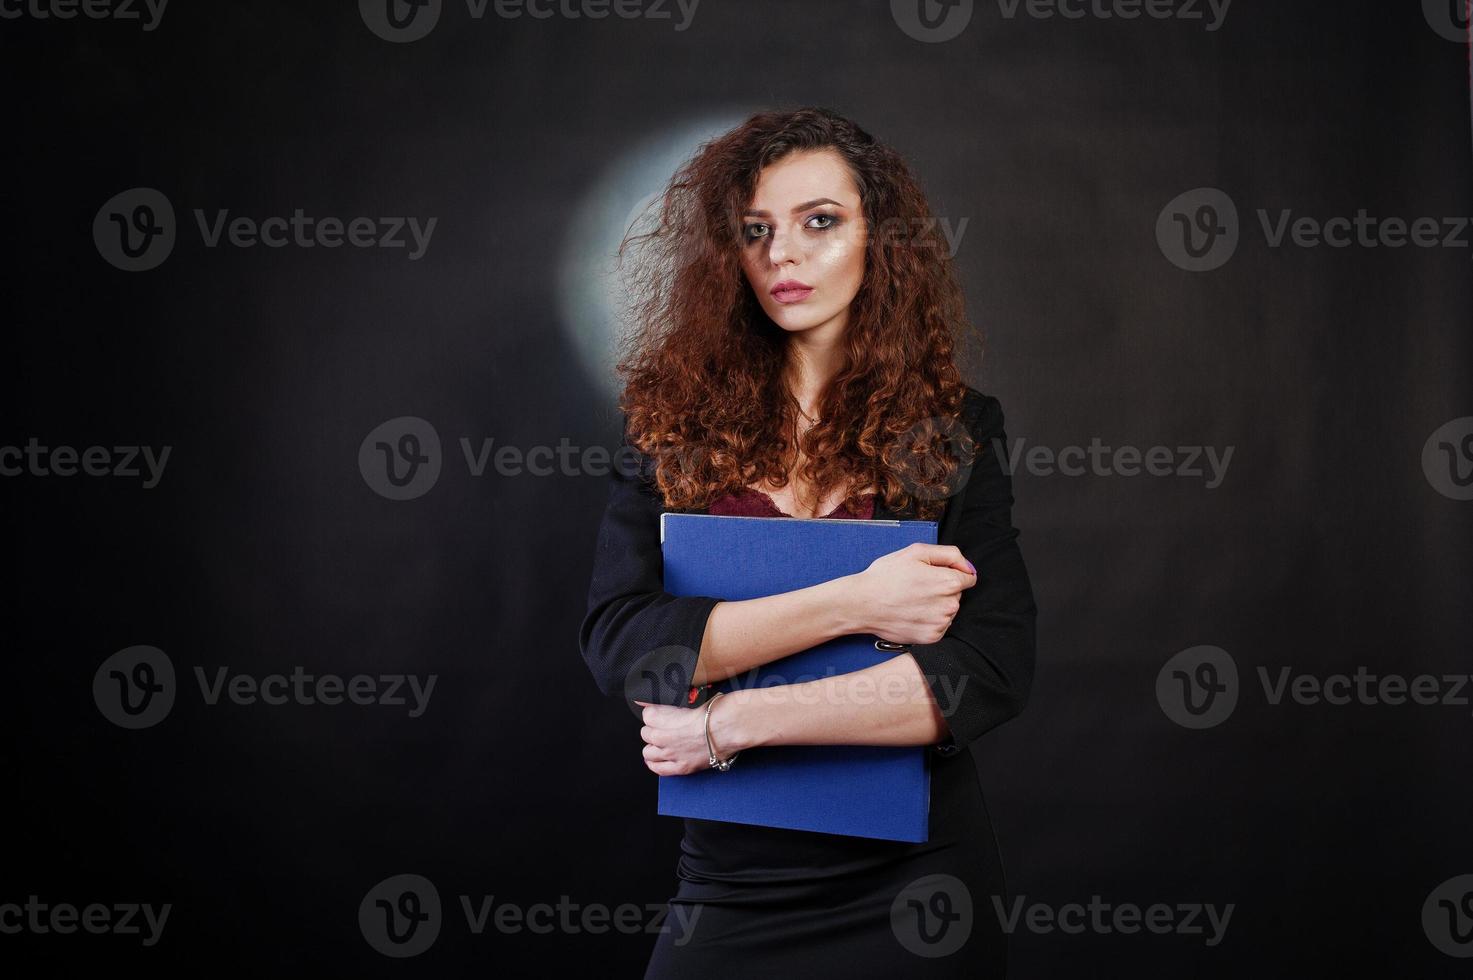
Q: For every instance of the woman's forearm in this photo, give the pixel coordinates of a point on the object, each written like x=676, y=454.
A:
x=748, y=633
x=887, y=704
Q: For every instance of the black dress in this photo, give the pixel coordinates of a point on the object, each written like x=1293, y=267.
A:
x=772, y=903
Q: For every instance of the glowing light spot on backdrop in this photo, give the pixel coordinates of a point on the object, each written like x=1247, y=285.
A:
x=590, y=295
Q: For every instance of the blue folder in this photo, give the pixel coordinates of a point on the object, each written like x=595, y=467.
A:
x=855, y=790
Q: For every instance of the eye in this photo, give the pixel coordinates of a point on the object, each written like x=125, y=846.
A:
x=829, y=219
x=753, y=232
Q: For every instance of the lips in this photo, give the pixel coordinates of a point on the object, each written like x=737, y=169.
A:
x=791, y=291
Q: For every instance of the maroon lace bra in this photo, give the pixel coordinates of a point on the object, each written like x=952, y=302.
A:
x=748, y=502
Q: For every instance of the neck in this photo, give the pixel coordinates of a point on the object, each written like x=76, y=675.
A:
x=814, y=357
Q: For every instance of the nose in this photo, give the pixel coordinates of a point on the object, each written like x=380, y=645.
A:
x=780, y=250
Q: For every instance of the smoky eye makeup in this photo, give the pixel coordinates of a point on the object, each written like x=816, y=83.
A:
x=828, y=220
x=750, y=233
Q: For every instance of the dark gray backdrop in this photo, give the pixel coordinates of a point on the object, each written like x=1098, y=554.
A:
x=1335, y=541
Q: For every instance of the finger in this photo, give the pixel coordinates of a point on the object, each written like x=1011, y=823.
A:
x=951, y=581
x=945, y=556
x=654, y=712
x=653, y=753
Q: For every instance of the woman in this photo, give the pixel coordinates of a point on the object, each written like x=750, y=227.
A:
x=795, y=357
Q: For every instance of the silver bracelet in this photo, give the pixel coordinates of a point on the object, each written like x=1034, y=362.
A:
x=719, y=764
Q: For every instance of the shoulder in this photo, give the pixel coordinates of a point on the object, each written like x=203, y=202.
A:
x=633, y=470
x=981, y=413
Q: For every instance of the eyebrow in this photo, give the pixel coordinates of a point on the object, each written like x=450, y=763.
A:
x=800, y=207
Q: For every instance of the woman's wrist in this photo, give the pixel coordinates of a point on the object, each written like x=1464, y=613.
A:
x=734, y=725
x=845, y=601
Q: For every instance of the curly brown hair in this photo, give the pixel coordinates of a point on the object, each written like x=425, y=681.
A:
x=704, y=394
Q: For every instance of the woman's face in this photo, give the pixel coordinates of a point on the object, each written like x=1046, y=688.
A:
x=805, y=226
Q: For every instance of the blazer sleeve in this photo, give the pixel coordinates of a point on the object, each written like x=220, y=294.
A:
x=981, y=670
x=637, y=639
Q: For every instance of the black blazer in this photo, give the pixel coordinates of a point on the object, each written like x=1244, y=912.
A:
x=640, y=641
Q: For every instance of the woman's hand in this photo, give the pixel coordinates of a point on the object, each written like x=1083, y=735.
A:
x=912, y=595
x=675, y=738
